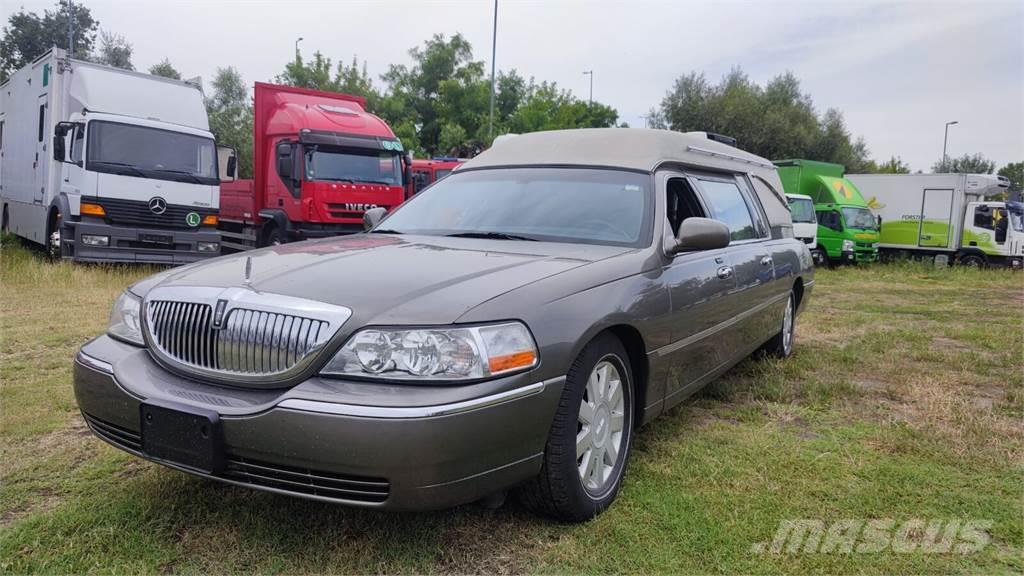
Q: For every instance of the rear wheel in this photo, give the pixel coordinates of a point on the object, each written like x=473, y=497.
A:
x=591, y=436
x=781, y=345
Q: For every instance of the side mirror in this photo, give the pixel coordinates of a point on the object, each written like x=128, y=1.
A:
x=879, y=218
x=227, y=163
x=60, y=132
x=700, y=234
x=372, y=217
x=285, y=161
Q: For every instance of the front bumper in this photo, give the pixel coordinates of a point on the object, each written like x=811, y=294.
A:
x=860, y=256
x=134, y=245
x=370, y=445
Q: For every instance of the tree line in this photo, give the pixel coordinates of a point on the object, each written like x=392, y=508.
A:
x=440, y=103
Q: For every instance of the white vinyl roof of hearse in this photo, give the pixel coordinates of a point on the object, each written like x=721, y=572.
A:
x=630, y=148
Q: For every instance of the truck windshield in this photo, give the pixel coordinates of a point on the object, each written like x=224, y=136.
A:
x=568, y=205
x=860, y=218
x=147, y=152
x=1017, y=220
x=802, y=210
x=353, y=165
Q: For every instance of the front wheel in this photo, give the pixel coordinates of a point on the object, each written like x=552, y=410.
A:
x=55, y=239
x=591, y=436
x=972, y=261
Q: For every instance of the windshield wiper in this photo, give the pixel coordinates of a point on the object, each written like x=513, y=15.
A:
x=127, y=167
x=491, y=236
x=192, y=176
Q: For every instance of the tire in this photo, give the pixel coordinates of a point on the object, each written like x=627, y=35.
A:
x=781, y=345
x=273, y=237
x=54, y=237
x=562, y=490
x=972, y=261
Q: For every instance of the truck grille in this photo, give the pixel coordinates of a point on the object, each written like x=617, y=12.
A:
x=248, y=341
x=137, y=213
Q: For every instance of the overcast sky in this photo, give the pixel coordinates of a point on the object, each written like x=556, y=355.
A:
x=898, y=72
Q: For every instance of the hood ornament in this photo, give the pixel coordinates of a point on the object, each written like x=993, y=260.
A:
x=248, y=270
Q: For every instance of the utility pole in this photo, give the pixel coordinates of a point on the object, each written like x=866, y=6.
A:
x=945, y=139
x=71, y=28
x=494, y=51
x=297, y=40
x=590, y=101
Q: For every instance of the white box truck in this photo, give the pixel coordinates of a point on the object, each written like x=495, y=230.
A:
x=805, y=224
x=102, y=164
x=947, y=216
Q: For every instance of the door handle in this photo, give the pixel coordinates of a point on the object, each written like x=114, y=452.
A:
x=766, y=261
x=725, y=272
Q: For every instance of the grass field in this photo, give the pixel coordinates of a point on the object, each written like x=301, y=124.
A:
x=905, y=400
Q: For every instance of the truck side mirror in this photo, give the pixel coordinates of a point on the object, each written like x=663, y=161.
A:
x=60, y=132
x=700, y=234
x=372, y=217
x=227, y=163
x=285, y=162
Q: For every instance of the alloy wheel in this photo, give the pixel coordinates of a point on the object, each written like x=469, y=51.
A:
x=601, y=427
x=787, y=328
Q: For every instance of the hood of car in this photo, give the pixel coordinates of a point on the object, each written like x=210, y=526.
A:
x=390, y=279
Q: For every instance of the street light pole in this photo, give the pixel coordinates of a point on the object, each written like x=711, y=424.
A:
x=494, y=51
x=71, y=28
x=945, y=139
x=590, y=101
x=299, y=39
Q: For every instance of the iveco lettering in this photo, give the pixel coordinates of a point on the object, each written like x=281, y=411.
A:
x=508, y=328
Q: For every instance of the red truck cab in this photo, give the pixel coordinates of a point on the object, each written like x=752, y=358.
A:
x=426, y=172
x=320, y=161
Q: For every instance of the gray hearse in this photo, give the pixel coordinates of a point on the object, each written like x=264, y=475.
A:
x=511, y=326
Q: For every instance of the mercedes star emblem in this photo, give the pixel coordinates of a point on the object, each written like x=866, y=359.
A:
x=157, y=205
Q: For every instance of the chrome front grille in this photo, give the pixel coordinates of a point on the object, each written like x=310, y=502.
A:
x=250, y=341
x=237, y=335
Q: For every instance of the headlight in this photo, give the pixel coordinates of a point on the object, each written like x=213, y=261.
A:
x=463, y=353
x=847, y=245
x=124, y=319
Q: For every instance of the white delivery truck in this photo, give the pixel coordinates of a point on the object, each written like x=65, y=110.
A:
x=805, y=223
x=102, y=164
x=947, y=216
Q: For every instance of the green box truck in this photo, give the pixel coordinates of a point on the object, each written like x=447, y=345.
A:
x=847, y=230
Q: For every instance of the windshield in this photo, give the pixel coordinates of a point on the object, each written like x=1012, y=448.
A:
x=861, y=218
x=150, y=153
x=1017, y=220
x=353, y=165
x=550, y=204
x=802, y=210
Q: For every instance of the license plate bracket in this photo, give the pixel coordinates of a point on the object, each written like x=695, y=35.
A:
x=182, y=435
x=161, y=239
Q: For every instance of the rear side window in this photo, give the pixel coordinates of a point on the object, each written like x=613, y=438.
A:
x=728, y=205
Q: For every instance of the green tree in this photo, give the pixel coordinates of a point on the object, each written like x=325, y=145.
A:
x=966, y=164
x=165, y=69
x=894, y=165
x=776, y=121
x=114, y=51
x=230, y=112
x=316, y=74
x=1014, y=171
x=28, y=35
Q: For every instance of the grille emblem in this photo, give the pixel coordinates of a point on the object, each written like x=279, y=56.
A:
x=157, y=205
x=218, y=313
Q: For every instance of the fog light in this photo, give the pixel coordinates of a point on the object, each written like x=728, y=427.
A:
x=91, y=240
x=208, y=246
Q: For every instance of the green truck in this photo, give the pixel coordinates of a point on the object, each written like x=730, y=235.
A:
x=847, y=230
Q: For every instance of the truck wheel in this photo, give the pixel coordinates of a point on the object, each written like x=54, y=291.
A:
x=273, y=237
x=819, y=257
x=590, y=439
x=781, y=345
x=54, y=238
x=973, y=261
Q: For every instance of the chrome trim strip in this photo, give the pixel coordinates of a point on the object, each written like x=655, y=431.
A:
x=713, y=153
x=680, y=344
x=94, y=363
x=392, y=412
